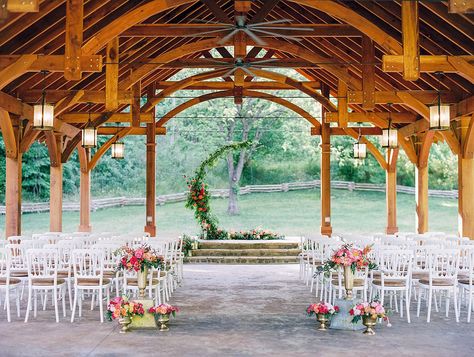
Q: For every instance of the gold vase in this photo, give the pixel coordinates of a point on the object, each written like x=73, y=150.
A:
x=142, y=277
x=348, y=282
x=162, y=322
x=369, y=322
x=323, y=322
x=125, y=323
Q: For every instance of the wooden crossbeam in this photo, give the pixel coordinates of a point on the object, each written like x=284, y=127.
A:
x=14, y=106
x=80, y=117
x=180, y=30
x=111, y=130
x=74, y=36
x=371, y=117
x=111, y=75
x=205, y=63
x=89, y=96
x=410, y=37
x=23, y=6
x=464, y=65
x=343, y=131
x=266, y=8
x=208, y=85
x=463, y=108
x=384, y=97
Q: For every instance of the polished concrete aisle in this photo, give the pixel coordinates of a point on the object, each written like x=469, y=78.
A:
x=236, y=310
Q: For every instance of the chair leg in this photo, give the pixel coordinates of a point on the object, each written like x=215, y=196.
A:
x=69, y=290
x=455, y=297
x=469, y=306
x=81, y=297
x=7, y=301
x=55, y=297
x=407, y=304
x=63, y=291
x=28, y=306
x=419, y=304
x=101, y=307
x=18, y=302
x=430, y=297
x=35, y=308
x=447, y=304
x=74, y=305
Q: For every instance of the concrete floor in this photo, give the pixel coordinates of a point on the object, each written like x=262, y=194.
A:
x=236, y=310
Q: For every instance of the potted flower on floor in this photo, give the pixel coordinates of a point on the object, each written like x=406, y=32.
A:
x=123, y=310
x=369, y=312
x=324, y=311
x=162, y=314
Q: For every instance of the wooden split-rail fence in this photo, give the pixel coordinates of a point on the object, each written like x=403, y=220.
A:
x=222, y=193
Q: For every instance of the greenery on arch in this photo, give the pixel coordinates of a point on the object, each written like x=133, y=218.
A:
x=198, y=199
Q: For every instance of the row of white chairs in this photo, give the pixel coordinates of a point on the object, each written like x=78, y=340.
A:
x=406, y=267
x=81, y=266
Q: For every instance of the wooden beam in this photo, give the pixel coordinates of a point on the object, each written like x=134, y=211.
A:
x=352, y=131
x=104, y=147
x=88, y=96
x=135, y=107
x=461, y=7
x=400, y=97
x=463, y=65
x=262, y=13
x=372, y=117
x=15, y=106
x=185, y=30
x=267, y=85
x=79, y=117
x=216, y=10
x=370, y=146
x=23, y=6
x=112, y=75
x=8, y=133
x=410, y=36
x=226, y=62
x=242, y=5
x=368, y=73
x=74, y=36
x=112, y=130
x=67, y=102
x=461, y=109
x=15, y=69
x=468, y=138
x=342, y=108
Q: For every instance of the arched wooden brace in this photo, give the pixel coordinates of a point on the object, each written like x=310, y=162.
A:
x=372, y=148
x=468, y=147
x=155, y=63
x=261, y=73
x=102, y=150
x=6, y=126
x=228, y=93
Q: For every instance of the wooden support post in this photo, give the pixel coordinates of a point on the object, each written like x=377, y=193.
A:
x=326, y=227
x=111, y=75
x=466, y=181
x=368, y=73
x=342, y=103
x=410, y=35
x=135, y=107
x=13, y=196
x=421, y=197
x=74, y=37
x=150, y=226
x=391, y=191
x=85, y=201
x=56, y=198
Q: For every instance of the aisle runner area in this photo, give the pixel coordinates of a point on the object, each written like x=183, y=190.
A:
x=240, y=310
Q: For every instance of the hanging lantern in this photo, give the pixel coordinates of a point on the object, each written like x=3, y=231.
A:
x=360, y=150
x=43, y=114
x=89, y=134
x=439, y=116
x=389, y=138
x=118, y=150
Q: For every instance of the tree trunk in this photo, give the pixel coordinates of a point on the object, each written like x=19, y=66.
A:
x=232, y=208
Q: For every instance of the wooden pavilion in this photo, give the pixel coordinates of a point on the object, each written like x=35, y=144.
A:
x=381, y=59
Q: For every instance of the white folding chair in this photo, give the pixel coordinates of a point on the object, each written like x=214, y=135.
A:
x=7, y=283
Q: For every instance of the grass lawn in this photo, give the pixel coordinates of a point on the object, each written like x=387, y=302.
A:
x=289, y=213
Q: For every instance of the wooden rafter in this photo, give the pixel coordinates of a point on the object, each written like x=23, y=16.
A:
x=410, y=33
x=73, y=42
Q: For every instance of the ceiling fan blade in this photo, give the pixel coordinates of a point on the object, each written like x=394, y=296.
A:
x=283, y=28
x=261, y=61
x=229, y=73
x=248, y=71
x=281, y=21
x=201, y=34
x=209, y=22
x=278, y=35
x=253, y=36
x=227, y=37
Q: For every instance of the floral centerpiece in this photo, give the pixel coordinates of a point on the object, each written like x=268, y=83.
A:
x=162, y=314
x=324, y=311
x=124, y=310
x=350, y=258
x=369, y=312
x=140, y=260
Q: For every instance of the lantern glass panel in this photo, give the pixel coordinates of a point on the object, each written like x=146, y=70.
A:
x=43, y=116
x=439, y=117
x=89, y=137
x=118, y=150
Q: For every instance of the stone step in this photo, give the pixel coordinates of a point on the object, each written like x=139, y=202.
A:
x=248, y=245
x=246, y=252
x=242, y=260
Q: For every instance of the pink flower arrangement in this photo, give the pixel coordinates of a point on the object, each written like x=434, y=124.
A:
x=120, y=307
x=163, y=309
x=349, y=256
x=373, y=309
x=324, y=308
x=139, y=258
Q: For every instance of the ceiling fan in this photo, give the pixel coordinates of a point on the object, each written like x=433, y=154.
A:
x=252, y=30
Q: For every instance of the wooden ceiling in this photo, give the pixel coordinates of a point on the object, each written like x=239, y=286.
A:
x=336, y=42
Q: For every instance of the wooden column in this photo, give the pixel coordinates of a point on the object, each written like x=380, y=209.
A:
x=466, y=179
x=150, y=226
x=326, y=227
x=85, y=190
x=56, y=198
x=421, y=196
x=391, y=191
x=13, y=196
